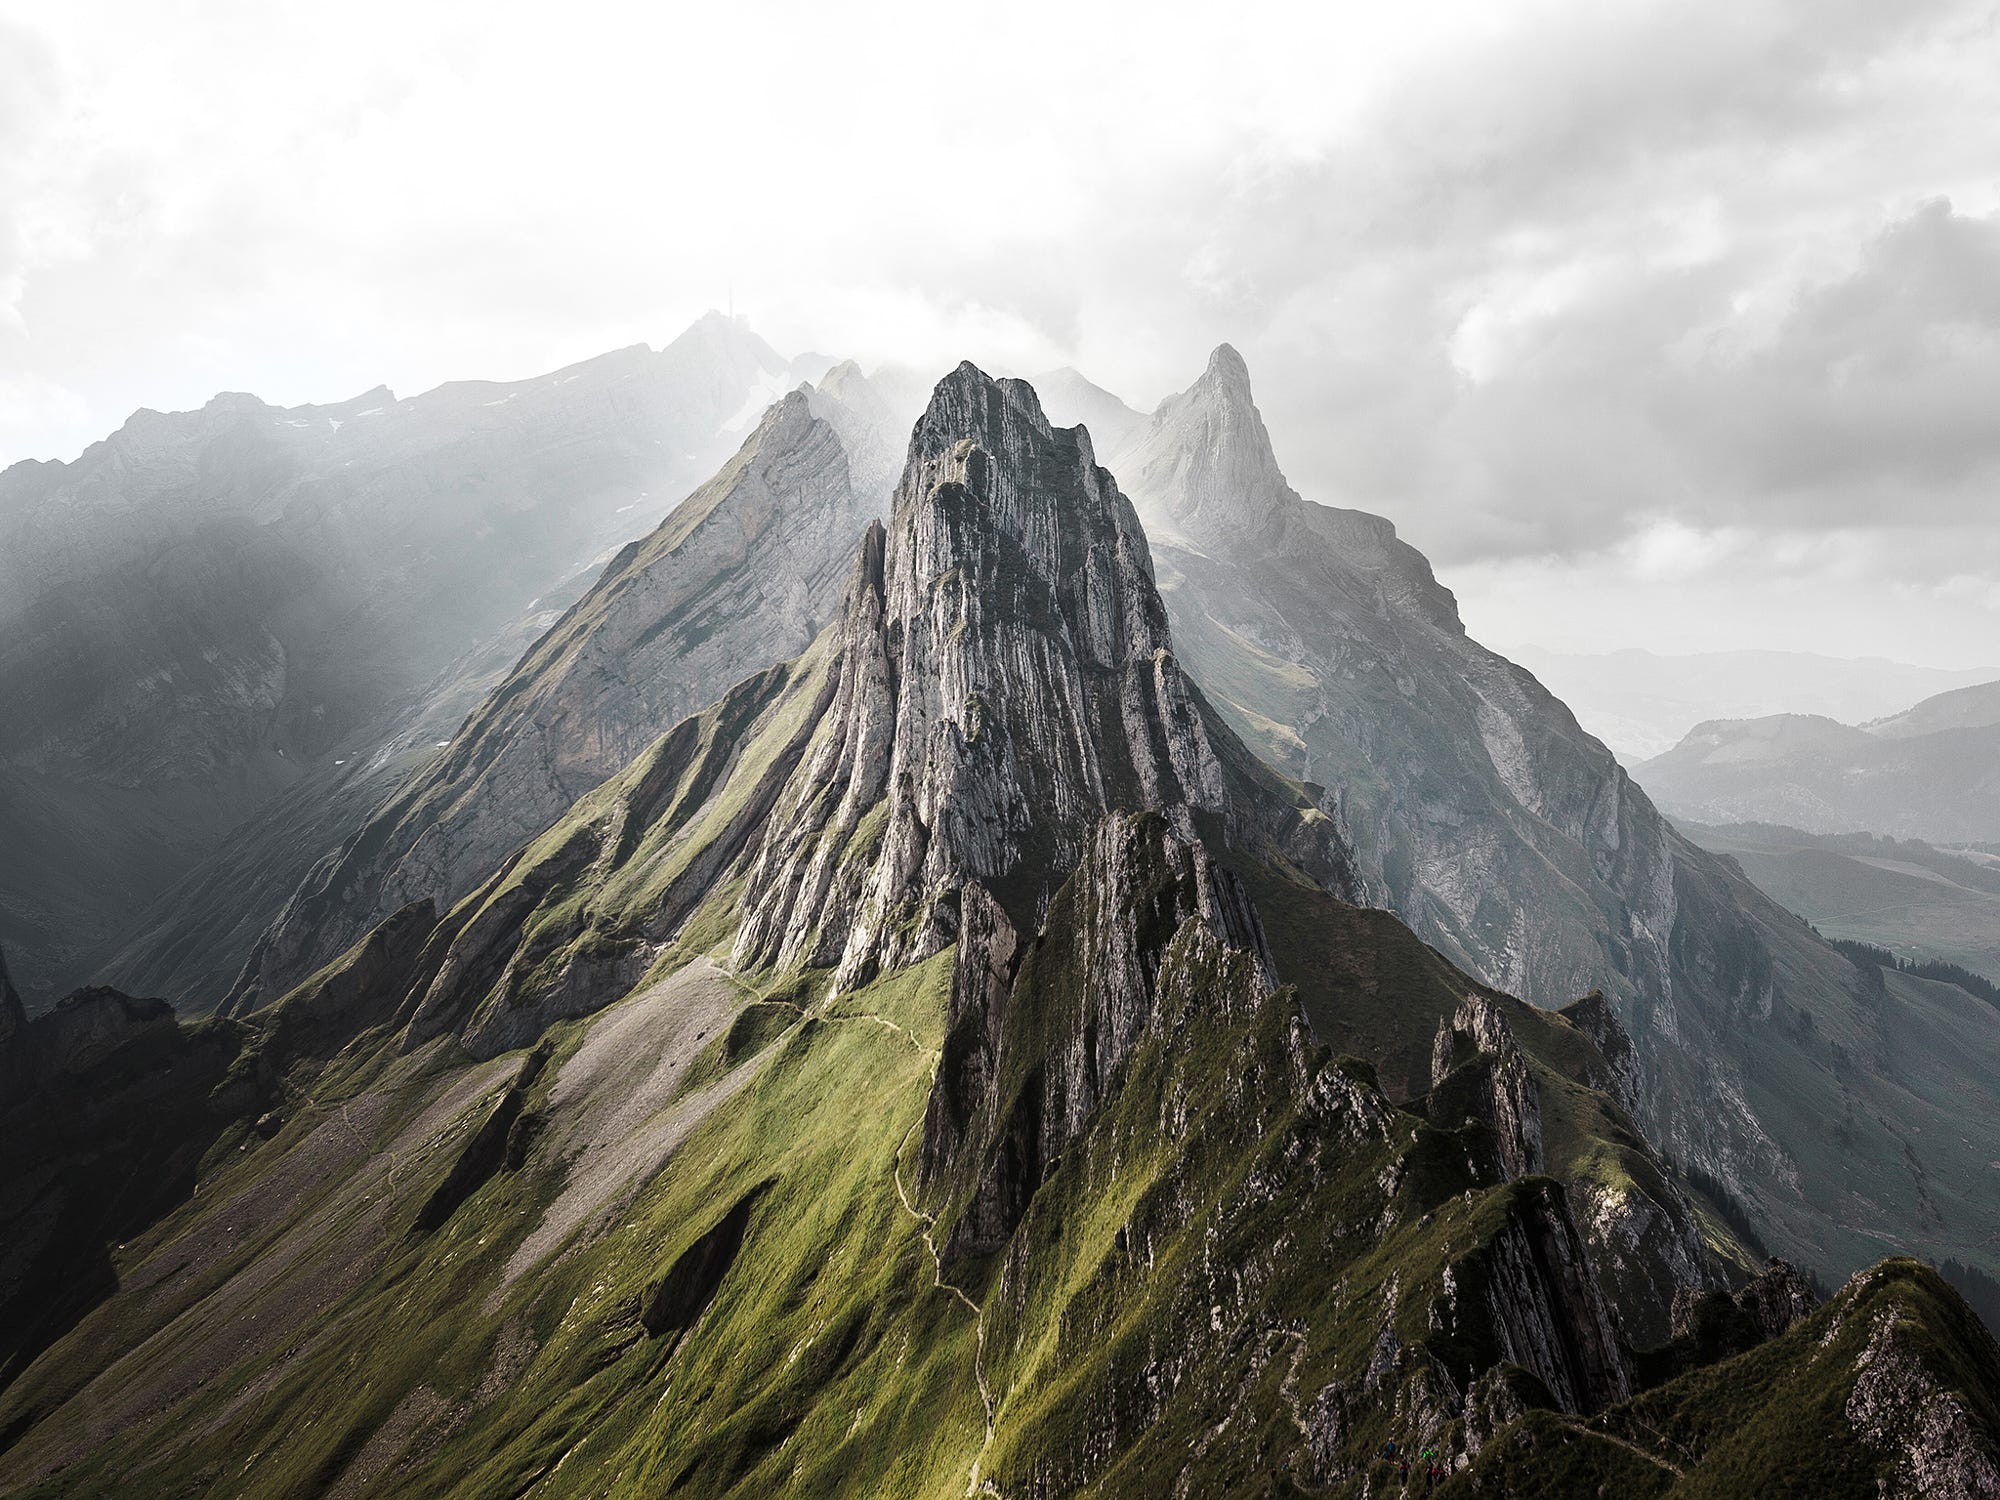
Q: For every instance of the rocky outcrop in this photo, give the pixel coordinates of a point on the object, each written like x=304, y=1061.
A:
x=1617, y=1070
x=89, y=1025
x=1933, y=1433
x=1006, y=679
x=1476, y=807
x=1718, y=1324
x=1018, y=1083
x=1549, y=1313
x=107, y=1105
x=1492, y=1085
x=868, y=428
x=1900, y=1408
x=362, y=989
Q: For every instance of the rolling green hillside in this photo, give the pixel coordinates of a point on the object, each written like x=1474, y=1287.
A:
x=1901, y=894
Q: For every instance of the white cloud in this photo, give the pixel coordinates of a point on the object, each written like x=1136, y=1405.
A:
x=1601, y=280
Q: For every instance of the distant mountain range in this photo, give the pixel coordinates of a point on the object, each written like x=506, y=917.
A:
x=1931, y=772
x=1642, y=704
x=250, y=611
x=949, y=966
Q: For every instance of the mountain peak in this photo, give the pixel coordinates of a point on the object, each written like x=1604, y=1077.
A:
x=1203, y=469
x=1007, y=682
x=1226, y=364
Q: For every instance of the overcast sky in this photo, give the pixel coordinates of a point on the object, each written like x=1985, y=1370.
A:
x=1671, y=325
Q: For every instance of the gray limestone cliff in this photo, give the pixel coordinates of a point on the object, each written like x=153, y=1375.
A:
x=1492, y=1085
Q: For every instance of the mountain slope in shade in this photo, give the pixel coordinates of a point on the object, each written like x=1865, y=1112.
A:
x=1931, y=772
x=207, y=605
x=743, y=574
x=1916, y=901
x=941, y=1065
x=1480, y=812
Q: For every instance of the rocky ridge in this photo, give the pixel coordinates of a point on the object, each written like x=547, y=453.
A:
x=1481, y=813
x=208, y=610
x=743, y=574
x=943, y=1064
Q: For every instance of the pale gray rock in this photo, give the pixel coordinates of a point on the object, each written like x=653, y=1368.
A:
x=744, y=574
x=1495, y=1086
x=1006, y=679
x=208, y=609
x=868, y=428
x=1900, y=1409
x=1482, y=814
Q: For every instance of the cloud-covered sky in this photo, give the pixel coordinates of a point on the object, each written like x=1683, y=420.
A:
x=1661, y=324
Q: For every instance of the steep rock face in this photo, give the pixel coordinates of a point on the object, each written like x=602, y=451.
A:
x=743, y=574
x=1476, y=807
x=1480, y=812
x=1021, y=1093
x=107, y=1105
x=1492, y=1087
x=1006, y=679
x=1900, y=1408
x=1719, y=1324
x=848, y=402
x=1549, y=1315
x=1887, y=1390
x=88, y=1025
x=1620, y=1076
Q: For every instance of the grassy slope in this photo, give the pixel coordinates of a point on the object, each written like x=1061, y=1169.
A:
x=1769, y=1422
x=327, y=1352
x=1916, y=901
x=324, y=1350
x=833, y=1330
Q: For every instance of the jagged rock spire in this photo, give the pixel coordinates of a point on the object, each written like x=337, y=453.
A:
x=1006, y=678
x=1204, y=467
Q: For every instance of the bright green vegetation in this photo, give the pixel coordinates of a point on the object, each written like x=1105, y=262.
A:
x=1245, y=1214
x=828, y=1361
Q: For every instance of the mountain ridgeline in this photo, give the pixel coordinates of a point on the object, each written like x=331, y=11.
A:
x=1481, y=813
x=948, y=1062
x=1931, y=772
x=227, y=634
